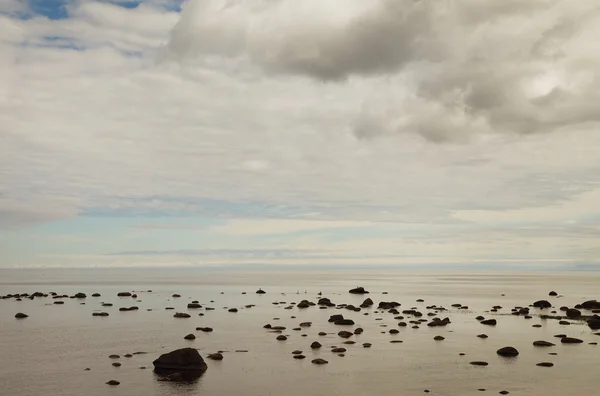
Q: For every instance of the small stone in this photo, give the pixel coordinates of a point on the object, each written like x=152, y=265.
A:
x=319, y=361
x=479, y=363
x=215, y=356
x=508, y=351
x=21, y=315
x=113, y=383
x=189, y=337
x=545, y=364
x=281, y=338
x=116, y=364
x=439, y=338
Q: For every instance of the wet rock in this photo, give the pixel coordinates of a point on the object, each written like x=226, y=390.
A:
x=489, y=322
x=338, y=350
x=181, y=315
x=335, y=318
x=181, y=359
x=591, y=304
x=299, y=357
x=358, y=330
x=297, y=352
x=281, y=338
x=232, y=310
x=344, y=322
x=128, y=355
x=564, y=323
x=573, y=313
x=215, y=356
x=260, y=291
x=358, y=290
x=367, y=303
x=21, y=315
x=106, y=305
x=479, y=363
x=80, y=295
x=396, y=341
x=480, y=318
x=594, y=322
x=114, y=356
x=303, y=304
x=542, y=304
x=124, y=294
x=194, y=306
x=508, y=351
x=59, y=302
x=543, y=344
x=367, y=345
x=322, y=333
x=345, y=334
x=205, y=329
x=113, y=383
x=482, y=336
x=545, y=364
x=189, y=337
x=402, y=324
x=319, y=361
x=176, y=295
x=570, y=340
x=553, y=294
x=104, y=314
x=305, y=324
x=439, y=338
x=315, y=345
x=116, y=364
x=96, y=295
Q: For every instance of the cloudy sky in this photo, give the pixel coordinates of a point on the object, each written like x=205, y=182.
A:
x=409, y=132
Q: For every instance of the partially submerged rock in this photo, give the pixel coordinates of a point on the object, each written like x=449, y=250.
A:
x=187, y=359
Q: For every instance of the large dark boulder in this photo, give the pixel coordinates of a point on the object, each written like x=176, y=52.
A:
x=542, y=304
x=573, y=313
x=358, y=290
x=187, y=359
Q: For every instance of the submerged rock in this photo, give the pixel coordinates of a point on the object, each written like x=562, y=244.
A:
x=358, y=290
x=543, y=344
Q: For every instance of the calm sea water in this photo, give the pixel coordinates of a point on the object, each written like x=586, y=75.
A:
x=46, y=354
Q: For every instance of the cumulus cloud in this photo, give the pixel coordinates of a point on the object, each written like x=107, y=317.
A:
x=464, y=68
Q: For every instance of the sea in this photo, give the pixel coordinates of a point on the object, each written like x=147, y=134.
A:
x=63, y=350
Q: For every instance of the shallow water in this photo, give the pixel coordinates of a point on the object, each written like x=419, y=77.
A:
x=47, y=352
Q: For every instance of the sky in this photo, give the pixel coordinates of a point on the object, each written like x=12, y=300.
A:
x=285, y=132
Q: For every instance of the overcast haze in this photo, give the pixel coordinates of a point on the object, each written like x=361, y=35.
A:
x=453, y=132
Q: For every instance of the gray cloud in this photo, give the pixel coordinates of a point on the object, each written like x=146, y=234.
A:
x=462, y=68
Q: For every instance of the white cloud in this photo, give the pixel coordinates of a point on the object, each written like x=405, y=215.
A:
x=298, y=111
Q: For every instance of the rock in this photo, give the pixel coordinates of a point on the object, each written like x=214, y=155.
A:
x=394, y=331
x=124, y=294
x=21, y=315
x=260, y=291
x=553, y=294
x=367, y=303
x=106, y=305
x=96, y=295
x=319, y=361
x=128, y=355
x=281, y=338
x=479, y=363
x=205, y=329
x=322, y=333
x=345, y=334
x=542, y=304
x=543, y=344
x=591, y=304
x=396, y=342
x=480, y=318
x=564, y=323
x=114, y=356
x=181, y=359
x=573, y=313
x=315, y=345
x=215, y=356
x=305, y=324
x=335, y=318
x=560, y=335
x=402, y=324
x=358, y=290
x=181, y=315
x=482, y=336
x=358, y=330
x=489, y=322
x=299, y=357
x=344, y=322
x=594, y=322
x=545, y=364
x=176, y=296
x=570, y=340
x=508, y=351
x=100, y=314
x=439, y=338
x=338, y=350
x=297, y=352
x=194, y=306
x=80, y=295
x=59, y=302
x=116, y=364
x=303, y=304
x=504, y=392
x=189, y=337
x=113, y=383
x=232, y=310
